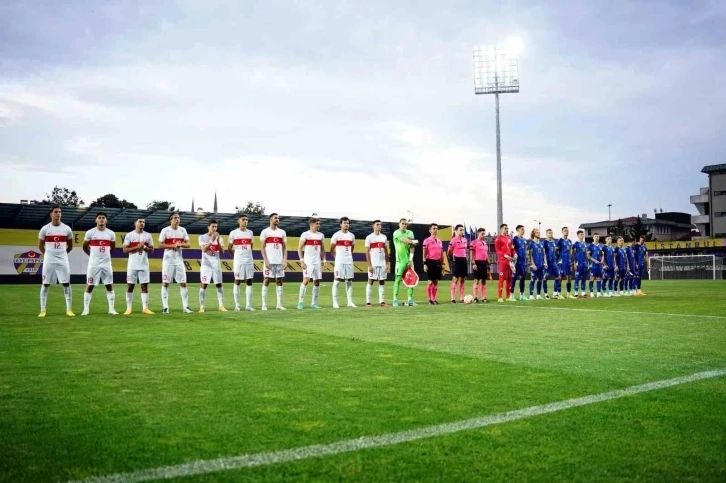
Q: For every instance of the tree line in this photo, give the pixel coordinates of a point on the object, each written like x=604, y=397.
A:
x=66, y=197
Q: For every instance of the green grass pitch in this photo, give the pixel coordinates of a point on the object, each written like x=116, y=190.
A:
x=98, y=395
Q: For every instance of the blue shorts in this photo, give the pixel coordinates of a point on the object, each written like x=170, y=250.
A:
x=553, y=271
x=537, y=274
x=622, y=273
x=610, y=273
x=565, y=269
x=596, y=270
x=520, y=269
x=638, y=272
x=581, y=271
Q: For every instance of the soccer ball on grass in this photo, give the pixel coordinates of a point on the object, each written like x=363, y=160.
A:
x=468, y=299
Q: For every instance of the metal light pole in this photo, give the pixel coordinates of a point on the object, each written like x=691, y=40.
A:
x=539, y=226
x=496, y=72
x=609, y=205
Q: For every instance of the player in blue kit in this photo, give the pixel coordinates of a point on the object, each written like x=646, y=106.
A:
x=595, y=257
x=642, y=263
x=621, y=262
x=537, y=264
x=629, y=281
x=553, y=272
x=581, y=269
x=608, y=267
x=564, y=262
x=520, y=267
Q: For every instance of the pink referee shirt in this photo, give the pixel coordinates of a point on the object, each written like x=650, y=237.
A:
x=433, y=248
x=480, y=249
x=458, y=244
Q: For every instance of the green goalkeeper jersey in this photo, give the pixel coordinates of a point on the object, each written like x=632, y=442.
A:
x=403, y=251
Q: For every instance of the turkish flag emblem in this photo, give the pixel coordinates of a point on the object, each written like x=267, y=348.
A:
x=410, y=278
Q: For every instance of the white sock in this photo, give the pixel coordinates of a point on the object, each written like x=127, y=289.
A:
x=316, y=292
x=184, y=296
x=111, y=297
x=220, y=296
x=87, y=301
x=264, y=295
x=145, y=300
x=349, y=290
x=248, y=295
x=303, y=289
x=369, y=289
x=202, y=297
x=129, y=300
x=278, y=291
x=43, y=297
x=165, y=297
x=235, y=293
x=69, y=297
x=335, y=291
x=381, y=293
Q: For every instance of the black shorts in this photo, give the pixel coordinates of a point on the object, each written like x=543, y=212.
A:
x=461, y=268
x=481, y=270
x=433, y=270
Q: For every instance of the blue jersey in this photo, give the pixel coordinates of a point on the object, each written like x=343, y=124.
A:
x=580, y=252
x=622, y=257
x=550, y=247
x=564, y=247
x=631, y=256
x=640, y=253
x=520, y=247
x=538, y=253
x=609, y=252
x=595, y=251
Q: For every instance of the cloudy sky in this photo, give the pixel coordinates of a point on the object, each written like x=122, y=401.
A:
x=364, y=108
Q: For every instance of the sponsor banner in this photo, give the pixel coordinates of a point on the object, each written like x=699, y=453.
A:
x=686, y=245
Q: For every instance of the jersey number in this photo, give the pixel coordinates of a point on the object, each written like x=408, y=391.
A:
x=56, y=246
x=102, y=249
x=276, y=246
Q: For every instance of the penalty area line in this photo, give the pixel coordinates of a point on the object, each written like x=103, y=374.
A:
x=201, y=467
x=509, y=305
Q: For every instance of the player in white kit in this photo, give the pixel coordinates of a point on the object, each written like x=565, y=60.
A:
x=274, y=254
x=173, y=239
x=212, y=245
x=311, y=251
x=138, y=244
x=341, y=246
x=55, y=242
x=378, y=263
x=240, y=242
x=98, y=244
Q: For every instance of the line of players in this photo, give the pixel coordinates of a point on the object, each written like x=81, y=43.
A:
x=55, y=241
x=611, y=270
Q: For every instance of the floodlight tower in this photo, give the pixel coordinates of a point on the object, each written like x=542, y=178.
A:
x=496, y=72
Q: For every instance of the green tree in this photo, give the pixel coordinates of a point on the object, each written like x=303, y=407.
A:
x=112, y=201
x=619, y=229
x=161, y=206
x=637, y=229
x=60, y=196
x=251, y=208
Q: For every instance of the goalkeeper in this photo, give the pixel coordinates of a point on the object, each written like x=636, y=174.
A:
x=403, y=241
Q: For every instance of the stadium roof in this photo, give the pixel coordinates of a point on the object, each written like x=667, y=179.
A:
x=713, y=168
x=23, y=216
x=631, y=221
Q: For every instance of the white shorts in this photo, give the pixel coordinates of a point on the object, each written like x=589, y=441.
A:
x=244, y=271
x=173, y=272
x=137, y=276
x=314, y=271
x=99, y=275
x=343, y=271
x=56, y=272
x=275, y=271
x=379, y=273
x=210, y=275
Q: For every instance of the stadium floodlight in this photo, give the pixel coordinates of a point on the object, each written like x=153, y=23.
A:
x=496, y=72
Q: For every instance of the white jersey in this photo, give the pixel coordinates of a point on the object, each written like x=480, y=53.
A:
x=343, y=246
x=210, y=258
x=56, y=242
x=138, y=261
x=170, y=236
x=377, y=244
x=242, y=242
x=312, y=244
x=100, y=243
x=272, y=244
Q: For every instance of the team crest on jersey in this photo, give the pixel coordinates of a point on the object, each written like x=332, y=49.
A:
x=27, y=263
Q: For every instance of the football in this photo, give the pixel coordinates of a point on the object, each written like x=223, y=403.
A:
x=468, y=299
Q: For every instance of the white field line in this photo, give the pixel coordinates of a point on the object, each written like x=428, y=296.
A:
x=201, y=467
x=525, y=305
